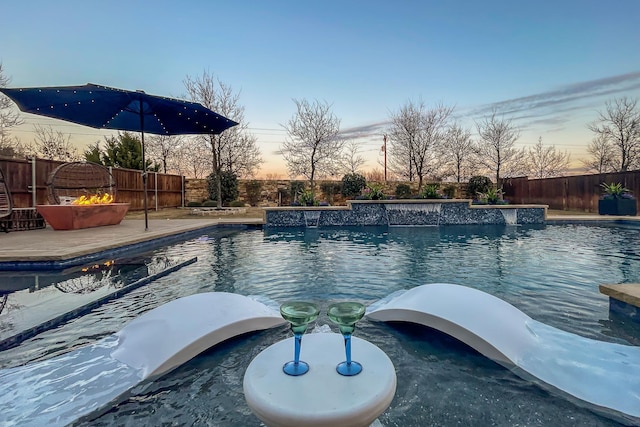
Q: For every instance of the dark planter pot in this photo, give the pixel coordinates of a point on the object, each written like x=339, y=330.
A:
x=617, y=207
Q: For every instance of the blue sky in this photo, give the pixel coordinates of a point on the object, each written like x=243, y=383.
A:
x=549, y=65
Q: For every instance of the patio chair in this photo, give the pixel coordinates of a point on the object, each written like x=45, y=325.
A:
x=6, y=203
x=72, y=180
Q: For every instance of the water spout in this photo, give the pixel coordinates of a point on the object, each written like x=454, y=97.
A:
x=510, y=216
x=311, y=218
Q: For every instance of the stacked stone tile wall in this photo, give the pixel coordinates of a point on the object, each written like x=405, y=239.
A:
x=405, y=213
x=277, y=192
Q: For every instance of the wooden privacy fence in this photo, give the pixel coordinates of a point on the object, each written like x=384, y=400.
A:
x=577, y=193
x=163, y=190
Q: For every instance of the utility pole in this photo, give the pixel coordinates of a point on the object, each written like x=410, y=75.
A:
x=384, y=150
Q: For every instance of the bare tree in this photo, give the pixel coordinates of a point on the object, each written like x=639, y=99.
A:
x=9, y=117
x=242, y=156
x=415, y=135
x=229, y=146
x=312, y=146
x=351, y=160
x=458, y=151
x=404, y=134
x=53, y=145
x=377, y=175
x=620, y=125
x=495, y=149
x=193, y=159
x=602, y=154
x=546, y=162
x=162, y=149
x=11, y=146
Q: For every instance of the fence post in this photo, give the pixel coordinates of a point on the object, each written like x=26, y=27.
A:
x=111, y=180
x=182, y=190
x=156, y=174
x=34, y=189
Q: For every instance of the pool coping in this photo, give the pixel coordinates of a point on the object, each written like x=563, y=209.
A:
x=47, y=249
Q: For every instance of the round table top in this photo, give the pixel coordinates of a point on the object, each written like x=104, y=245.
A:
x=321, y=397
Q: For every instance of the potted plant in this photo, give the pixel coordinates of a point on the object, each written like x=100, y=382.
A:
x=491, y=197
x=430, y=191
x=372, y=192
x=616, y=200
x=306, y=198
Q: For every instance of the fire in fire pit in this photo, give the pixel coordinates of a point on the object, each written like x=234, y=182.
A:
x=94, y=199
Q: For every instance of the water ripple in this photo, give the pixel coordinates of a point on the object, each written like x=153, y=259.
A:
x=552, y=273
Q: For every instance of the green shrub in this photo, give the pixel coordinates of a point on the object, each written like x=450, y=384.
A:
x=430, y=191
x=306, y=198
x=229, y=184
x=296, y=187
x=373, y=192
x=254, y=190
x=236, y=204
x=492, y=197
x=209, y=204
x=478, y=184
x=353, y=184
x=403, y=191
x=194, y=204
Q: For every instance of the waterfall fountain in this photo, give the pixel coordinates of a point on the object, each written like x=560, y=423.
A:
x=413, y=214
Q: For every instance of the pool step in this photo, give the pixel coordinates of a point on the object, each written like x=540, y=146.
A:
x=624, y=299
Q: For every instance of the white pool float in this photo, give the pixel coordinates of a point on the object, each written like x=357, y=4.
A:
x=84, y=382
x=606, y=375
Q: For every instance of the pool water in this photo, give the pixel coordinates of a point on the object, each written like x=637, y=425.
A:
x=549, y=272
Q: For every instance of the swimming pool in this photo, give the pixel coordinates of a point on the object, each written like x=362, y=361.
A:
x=550, y=272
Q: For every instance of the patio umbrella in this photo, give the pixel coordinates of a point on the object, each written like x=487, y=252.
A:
x=105, y=107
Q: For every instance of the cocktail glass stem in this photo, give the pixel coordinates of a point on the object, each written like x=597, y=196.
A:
x=347, y=348
x=298, y=343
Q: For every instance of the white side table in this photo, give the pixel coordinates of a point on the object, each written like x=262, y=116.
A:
x=321, y=397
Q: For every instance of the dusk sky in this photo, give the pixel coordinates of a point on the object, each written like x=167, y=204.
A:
x=548, y=65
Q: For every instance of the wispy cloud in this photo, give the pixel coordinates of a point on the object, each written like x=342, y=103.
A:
x=551, y=110
x=564, y=99
x=365, y=131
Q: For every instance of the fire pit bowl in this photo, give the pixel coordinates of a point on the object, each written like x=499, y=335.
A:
x=73, y=217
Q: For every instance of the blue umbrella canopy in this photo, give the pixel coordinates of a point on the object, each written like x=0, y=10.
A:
x=104, y=107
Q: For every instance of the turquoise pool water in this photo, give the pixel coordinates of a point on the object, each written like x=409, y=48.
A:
x=550, y=272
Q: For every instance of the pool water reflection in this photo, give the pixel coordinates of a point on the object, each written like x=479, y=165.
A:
x=551, y=273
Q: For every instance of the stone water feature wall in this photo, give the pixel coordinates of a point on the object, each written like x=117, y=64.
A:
x=405, y=213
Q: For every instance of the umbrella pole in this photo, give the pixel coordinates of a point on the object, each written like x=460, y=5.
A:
x=144, y=171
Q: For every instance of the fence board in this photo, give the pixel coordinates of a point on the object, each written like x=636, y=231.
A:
x=578, y=193
x=18, y=174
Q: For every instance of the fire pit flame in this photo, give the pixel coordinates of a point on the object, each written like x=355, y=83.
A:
x=95, y=199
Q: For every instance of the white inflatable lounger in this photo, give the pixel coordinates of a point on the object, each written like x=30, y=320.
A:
x=606, y=375
x=84, y=382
